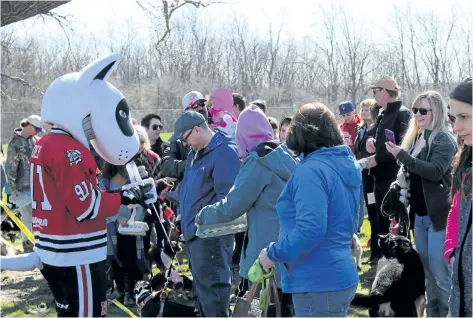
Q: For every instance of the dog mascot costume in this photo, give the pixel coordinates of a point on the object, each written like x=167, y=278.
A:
x=69, y=209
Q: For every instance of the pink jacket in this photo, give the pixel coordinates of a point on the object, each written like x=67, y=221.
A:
x=451, y=233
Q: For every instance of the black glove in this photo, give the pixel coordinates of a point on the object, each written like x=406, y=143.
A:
x=137, y=194
x=177, y=225
x=161, y=184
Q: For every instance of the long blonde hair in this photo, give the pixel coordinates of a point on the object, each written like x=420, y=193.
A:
x=439, y=120
x=143, y=135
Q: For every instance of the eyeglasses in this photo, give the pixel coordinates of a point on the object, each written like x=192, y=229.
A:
x=155, y=127
x=187, y=137
x=36, y=128
x=422, y=111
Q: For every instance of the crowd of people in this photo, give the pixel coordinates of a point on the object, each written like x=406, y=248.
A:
x=304, y=183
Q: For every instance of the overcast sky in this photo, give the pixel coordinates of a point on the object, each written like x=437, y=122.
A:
x=297, y=16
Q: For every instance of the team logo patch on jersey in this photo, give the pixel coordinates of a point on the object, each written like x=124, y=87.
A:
x=74, y=156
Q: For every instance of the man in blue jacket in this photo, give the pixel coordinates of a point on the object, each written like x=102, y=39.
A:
x=211, y=168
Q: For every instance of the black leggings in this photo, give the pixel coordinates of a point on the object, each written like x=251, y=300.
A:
x=373, y=213
x=239, y=238
x=130, y=273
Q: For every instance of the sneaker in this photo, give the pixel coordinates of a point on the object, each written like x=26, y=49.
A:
x=233, y=299
x=120, y=296
x=129, y=300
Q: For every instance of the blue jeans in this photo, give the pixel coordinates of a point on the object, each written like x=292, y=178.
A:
x=210, y=261
x=431, y=246
x=323, y=304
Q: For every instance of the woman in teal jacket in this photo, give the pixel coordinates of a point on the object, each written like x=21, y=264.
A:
x=267, y=165
x=318, y=215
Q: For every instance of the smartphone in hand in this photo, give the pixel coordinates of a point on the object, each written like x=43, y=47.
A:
x=389, y=136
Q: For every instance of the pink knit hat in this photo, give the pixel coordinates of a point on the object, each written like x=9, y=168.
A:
x=222, y=112
x=222, y=99
x=253, y=128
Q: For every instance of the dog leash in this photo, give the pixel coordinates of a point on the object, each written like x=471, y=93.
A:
x=122, y=307
x=26, y=231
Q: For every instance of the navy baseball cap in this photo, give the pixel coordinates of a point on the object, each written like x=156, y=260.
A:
x=186, y=121
x=345, y=108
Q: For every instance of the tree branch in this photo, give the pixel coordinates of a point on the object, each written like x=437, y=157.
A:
x=23, y=82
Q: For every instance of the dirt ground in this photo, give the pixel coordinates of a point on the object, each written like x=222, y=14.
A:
x=25, y=293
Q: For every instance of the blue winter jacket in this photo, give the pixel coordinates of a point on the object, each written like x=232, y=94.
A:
x=208, y=177
x=317, y=216
x=259, y=184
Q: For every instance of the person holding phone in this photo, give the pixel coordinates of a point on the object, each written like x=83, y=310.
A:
x=394, y=117
x=426, y=156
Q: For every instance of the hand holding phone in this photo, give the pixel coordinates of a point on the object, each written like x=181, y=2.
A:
x=390, y=136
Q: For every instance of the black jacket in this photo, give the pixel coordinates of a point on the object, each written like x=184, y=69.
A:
x=395, y=118
x=435, y=169
x=160, y=147
x=360, y=142
x=173, y=161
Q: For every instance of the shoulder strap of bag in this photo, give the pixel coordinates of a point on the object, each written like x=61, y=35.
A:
x=251, y=293
x=272, y=282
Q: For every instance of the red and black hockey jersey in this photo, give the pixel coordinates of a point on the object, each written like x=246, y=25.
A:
x=69, y=209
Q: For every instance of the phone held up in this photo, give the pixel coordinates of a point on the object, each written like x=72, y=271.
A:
x=389, y=136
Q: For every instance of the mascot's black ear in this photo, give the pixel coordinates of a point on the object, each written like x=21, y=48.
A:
x=104, y=72
x=99, y=69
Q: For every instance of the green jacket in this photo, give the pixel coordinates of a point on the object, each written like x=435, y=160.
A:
x=17, y=165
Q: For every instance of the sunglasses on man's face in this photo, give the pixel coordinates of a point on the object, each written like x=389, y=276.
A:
x=377, y=89
x=198, y=104
x=155, y=127
x=422, y=111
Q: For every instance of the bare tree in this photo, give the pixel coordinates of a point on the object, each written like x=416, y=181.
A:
x=165, y=11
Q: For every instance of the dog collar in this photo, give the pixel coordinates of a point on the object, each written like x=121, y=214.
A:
x=163, y=295
x=150, y=296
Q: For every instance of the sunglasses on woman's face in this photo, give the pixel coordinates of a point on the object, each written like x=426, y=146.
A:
x=422, y=111
x=155, y=127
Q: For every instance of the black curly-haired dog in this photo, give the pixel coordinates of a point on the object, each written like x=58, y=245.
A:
x=150, y=301
x=10, y=231
x=398, y=289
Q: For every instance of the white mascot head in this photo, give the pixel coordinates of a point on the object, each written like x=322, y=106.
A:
x=87, y=106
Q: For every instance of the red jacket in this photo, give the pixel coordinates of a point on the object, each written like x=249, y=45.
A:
x=352, y=130
x=69, y=209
